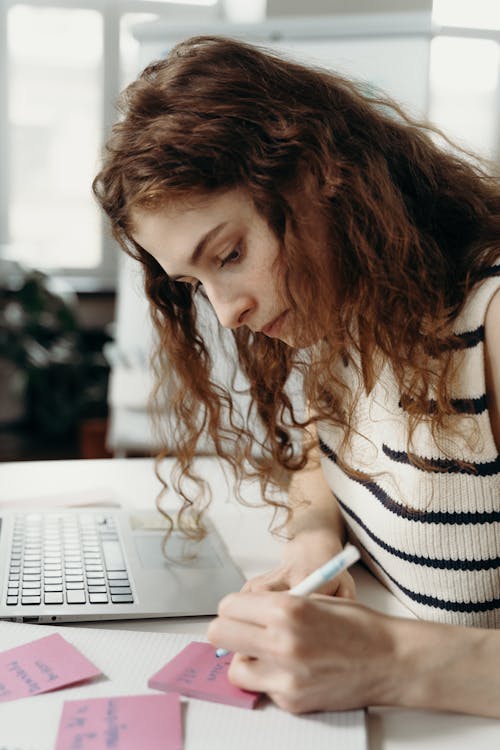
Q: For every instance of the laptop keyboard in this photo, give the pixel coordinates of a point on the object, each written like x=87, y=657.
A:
x=67, y=559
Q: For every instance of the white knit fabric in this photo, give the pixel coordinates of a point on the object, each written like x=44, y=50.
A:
x=432, y=537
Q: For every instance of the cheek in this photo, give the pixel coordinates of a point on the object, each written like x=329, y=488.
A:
x=270, y=285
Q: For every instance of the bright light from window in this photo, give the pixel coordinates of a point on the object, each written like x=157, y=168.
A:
x=54, y=109
x=462, y=65
x=129, y=46
x=483, y=14
x=189, y=2
x=464, y=81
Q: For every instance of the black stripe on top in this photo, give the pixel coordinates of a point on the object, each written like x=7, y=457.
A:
x=476, y=405
x=411, y=514
x=426, y=562
x=445, y=465
x=470, y=339
x=434, y=601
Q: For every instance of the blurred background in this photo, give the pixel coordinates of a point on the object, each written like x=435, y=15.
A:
x=74, y=331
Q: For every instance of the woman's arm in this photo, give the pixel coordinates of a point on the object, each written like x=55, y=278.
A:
x=316, y=532
x=323, y=653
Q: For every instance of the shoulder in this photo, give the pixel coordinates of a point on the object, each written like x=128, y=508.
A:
x=492, y=362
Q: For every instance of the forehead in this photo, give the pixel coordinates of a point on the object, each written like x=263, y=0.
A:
x=179, y=225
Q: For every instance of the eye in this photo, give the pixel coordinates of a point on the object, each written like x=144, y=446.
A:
x=233, y=257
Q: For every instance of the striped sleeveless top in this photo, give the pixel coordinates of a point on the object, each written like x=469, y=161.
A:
x=431, y=536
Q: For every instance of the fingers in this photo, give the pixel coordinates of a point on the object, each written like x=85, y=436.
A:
x=347, y=587
x=253, y=607
x=247, y=639
x=245, y=622
x=252, y=674
x=272, y=581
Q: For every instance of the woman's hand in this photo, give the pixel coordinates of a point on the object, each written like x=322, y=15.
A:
x=323, y=653
x=307, y=653
x=301, y=556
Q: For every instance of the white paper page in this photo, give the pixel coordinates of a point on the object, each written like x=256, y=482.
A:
x=128, y=659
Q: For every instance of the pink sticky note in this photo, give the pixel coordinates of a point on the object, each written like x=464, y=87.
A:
x=196, y=671
x=131, y=722
x=37, y=667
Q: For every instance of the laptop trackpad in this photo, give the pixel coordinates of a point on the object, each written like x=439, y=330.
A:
x=181, y=552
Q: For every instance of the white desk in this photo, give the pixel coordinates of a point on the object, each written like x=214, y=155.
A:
x=132, y=483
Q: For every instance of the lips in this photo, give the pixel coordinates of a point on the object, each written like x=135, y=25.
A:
x=274, y=326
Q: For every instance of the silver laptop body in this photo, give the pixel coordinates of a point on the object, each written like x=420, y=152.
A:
x=63, y=565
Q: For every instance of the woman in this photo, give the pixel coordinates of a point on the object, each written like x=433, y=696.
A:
x=333, y=238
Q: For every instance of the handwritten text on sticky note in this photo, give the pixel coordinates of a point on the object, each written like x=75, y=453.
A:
x=148, y=722
x=196, y=671
x=42, y=665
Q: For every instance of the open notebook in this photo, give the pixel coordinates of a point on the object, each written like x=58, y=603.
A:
x=128, y=659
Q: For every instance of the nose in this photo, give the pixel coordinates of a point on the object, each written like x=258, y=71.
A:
x=232, y=309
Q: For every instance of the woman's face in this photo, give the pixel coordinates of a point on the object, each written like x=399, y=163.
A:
x=223, y=243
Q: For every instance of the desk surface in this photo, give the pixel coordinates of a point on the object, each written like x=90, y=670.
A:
x=133, y=484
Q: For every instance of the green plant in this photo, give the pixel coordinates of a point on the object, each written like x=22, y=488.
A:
x=61, y=366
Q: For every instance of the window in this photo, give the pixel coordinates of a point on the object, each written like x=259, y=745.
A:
x=54, y=105
x=464, y=74
x=62, y=65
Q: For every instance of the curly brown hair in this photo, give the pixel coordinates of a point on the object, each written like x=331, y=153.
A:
x=410, y=228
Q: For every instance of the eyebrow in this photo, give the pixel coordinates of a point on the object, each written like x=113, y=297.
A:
x=200, y=248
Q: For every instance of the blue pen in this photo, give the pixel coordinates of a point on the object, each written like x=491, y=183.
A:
x=317, y=578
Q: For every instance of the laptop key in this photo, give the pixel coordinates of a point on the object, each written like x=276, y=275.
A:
x=97, y=589
x=53, y=587
x=118, y=575
x=73, y=585
x=114, y=590
x=31, y=592
x=31, y=584
x=95, y=579
x=25, y=600
x=53, y=597
x=98, y=598
x=75, y=597
x=11, y=600
x=121, y=582
x=122, y=598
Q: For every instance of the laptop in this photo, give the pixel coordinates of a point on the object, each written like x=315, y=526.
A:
x=79, y=564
